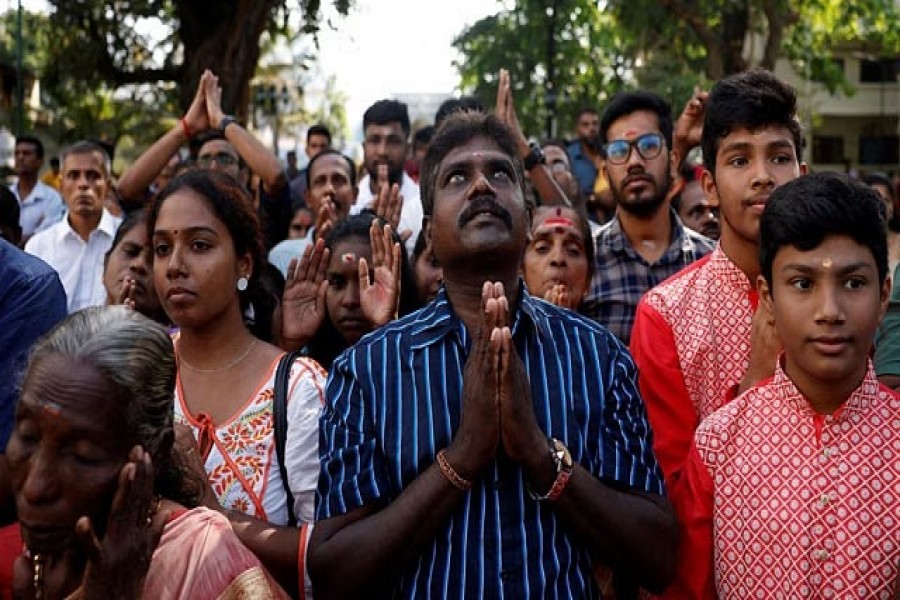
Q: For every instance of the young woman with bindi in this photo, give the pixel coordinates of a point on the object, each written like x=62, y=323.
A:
x=207, y=254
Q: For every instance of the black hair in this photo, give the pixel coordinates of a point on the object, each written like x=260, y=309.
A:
x=626, y=103
x=89, y=147
x=458, y=129
x=327, y=343
x=423, y=136
x=203, y=138
x=34, y=141
x=385, y=112
x=452, y=105
x=879, y=178
x=351, y=168
x=804, y=211
x=270, y=288
x=586, y=110
x=318, y=129
x=751, y=100
x=132, y=220
x=232, y=205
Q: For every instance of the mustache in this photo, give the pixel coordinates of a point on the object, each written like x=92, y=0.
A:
x=488, y=204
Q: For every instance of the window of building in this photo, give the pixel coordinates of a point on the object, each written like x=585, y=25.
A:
x=879, y=149
x=828, y=149
x=884, y=70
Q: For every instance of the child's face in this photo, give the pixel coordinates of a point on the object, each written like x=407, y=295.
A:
x=749, y=166
x=827, y=303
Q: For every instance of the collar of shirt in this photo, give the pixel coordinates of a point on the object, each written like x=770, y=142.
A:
x=860, y=399
x=40, y=192
x=108, y=225
x=438, y=319
x=612, y=236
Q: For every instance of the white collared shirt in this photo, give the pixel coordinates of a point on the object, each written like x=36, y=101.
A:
x=40, y=210
x=78, y=263
x=410, y=214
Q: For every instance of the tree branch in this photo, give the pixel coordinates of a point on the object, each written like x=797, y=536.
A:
x=779, y=16
x=697, y=22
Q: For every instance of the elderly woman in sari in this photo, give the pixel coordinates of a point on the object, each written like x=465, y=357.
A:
x=104, y=506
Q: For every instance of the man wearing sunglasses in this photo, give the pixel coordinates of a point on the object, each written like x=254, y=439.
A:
x=645, y=242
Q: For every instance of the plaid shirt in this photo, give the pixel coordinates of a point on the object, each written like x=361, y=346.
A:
x=621, y=275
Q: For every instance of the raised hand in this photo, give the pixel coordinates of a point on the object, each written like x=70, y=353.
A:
x=559, y=295
x=506, y=110
x=126, y=295
x=213, y=95
x=196, y=116
x=379, y=297
x=765, y=346
x=117, y=564
x=303, y=300
x=326, y=219
x=689, y=126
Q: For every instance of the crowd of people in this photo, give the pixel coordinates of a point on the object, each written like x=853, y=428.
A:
x=478, y=365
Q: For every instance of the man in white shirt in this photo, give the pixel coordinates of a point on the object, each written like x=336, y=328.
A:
x=75, y=246
x=386, y=131
x=40, y=205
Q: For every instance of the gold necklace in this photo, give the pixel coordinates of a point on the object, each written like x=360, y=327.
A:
x=219, y=369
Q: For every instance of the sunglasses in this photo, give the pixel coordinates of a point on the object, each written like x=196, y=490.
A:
x=648, y=146
x=223, y=159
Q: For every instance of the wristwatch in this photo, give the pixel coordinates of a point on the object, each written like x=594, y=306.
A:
x=562, y=458
x=534, y=157
x=225, y=122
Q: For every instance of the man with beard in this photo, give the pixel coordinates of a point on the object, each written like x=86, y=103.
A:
x=645, y=242
x=386, y=131
x=585, y=151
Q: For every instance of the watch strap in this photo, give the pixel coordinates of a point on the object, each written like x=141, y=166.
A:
x=225, y=122
x=534, y=157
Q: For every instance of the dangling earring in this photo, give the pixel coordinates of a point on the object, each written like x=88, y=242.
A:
x=242, y=284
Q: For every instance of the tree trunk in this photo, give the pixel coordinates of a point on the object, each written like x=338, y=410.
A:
x=779, y=17
x=214, y=39
x=735, y=22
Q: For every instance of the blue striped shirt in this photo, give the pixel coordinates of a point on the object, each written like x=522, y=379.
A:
x=393, y=401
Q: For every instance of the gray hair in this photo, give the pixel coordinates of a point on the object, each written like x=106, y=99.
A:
x=134, y=354
x=89, y=147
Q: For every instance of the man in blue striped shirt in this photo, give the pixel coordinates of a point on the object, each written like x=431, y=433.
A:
x=490, y=444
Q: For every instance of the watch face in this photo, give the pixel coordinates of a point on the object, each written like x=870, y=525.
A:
x=562, y=453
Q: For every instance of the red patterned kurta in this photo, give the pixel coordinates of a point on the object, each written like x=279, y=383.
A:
x=691, y=343
x=781, y=502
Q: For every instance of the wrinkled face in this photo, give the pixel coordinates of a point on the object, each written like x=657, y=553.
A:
x=330, y=180
x=749, y=166
x=640, y=182
x=130, y=259
x=195, y=266
x=342, y=293
x=314, y=145
x=63, y=460
x=219, y=155
x=385, y=145
x=479, y=208
x=429, y=275
x=827, y=303
x=556, y=254
x=588, y=127
x=26, y=158
x=697, y=212
x=84, y=184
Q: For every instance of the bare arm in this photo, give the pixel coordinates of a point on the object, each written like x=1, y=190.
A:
x=137, y=179
x=259, y=158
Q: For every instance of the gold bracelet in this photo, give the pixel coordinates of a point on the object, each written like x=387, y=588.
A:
x=460, y=483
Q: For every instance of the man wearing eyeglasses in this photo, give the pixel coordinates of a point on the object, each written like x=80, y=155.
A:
x=645, y=242
x=224, y=146
x=386, y=131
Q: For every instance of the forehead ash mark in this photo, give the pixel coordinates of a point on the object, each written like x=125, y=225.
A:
x=348, y=257
x=827, y=263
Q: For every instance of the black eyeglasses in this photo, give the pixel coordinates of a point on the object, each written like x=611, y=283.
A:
x=648, y=147
x=223, y=159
